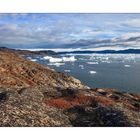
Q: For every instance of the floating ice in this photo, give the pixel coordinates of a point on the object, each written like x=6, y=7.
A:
x=56, y=64
x=72, y=58
x=34, y=60
x=92, y=72
x=63, y=59
x=67, y=70
x=107, y=58
x=53, y=60
x=108, y=62
x=47, y=57
x=29, y=57
x=92, y=63
x=127, y=65
x=81, y=66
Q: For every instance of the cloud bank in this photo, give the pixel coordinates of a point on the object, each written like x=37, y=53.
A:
x=85, y=31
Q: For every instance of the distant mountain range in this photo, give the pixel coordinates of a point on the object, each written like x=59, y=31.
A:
x=134, y=51
x=50, y=52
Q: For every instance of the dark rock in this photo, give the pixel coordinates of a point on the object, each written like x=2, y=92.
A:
x=115, y=97
x=3, y=96
x=22, y=90
x=102, y=91
x=100, y=116
x=137, y=105
x=76, y=109
x=69, y=92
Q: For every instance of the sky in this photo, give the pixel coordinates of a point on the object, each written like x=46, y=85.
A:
x=77, y=31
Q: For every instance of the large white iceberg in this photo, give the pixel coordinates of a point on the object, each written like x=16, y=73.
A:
x=63, y=59
x=54, y=60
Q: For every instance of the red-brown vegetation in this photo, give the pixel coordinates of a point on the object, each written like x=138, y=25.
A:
x=67, y=102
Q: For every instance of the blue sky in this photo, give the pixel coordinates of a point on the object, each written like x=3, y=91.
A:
x=70, y=30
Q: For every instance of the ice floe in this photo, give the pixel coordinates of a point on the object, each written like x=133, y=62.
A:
x=62, y=59
x=72, y=58
x=29, y=57
x=67, y=70
x=81, y=66
x=126, y=65
x=54, y=60
x=92, y=72
x=92, y=63
x=47, y=57
x=56, y=64
x=34, y=60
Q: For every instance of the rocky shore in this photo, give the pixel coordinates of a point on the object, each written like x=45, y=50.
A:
x=34, y=95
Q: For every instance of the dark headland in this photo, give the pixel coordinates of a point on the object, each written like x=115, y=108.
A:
x=34, y=95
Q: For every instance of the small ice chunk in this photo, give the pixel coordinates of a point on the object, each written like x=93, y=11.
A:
x=127, y=65
x=107, y=58
x=81, y=66
x=29, y=57
x=92, y=72
x=108, y=62
x=92, y=63
x=56, y=64
x=67, y=70
x=34, y=60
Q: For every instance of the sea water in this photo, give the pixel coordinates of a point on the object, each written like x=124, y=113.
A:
x=119, y=71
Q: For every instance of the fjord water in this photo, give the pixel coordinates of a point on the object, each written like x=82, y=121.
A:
x=119, y=71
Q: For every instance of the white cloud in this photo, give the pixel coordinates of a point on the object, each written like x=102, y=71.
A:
x=62, y=28
x=130, y=34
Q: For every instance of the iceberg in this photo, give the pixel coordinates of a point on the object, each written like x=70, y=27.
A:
x=66, y=59
x=47, y=57
x=63, y=59
x=54, y=60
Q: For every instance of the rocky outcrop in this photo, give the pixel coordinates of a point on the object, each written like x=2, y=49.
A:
x=34, y=95
x=16, y=72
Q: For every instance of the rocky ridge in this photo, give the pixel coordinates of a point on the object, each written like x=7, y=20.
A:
x=34, y=95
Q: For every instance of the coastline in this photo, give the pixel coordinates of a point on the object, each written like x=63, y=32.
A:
x=34, y=95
